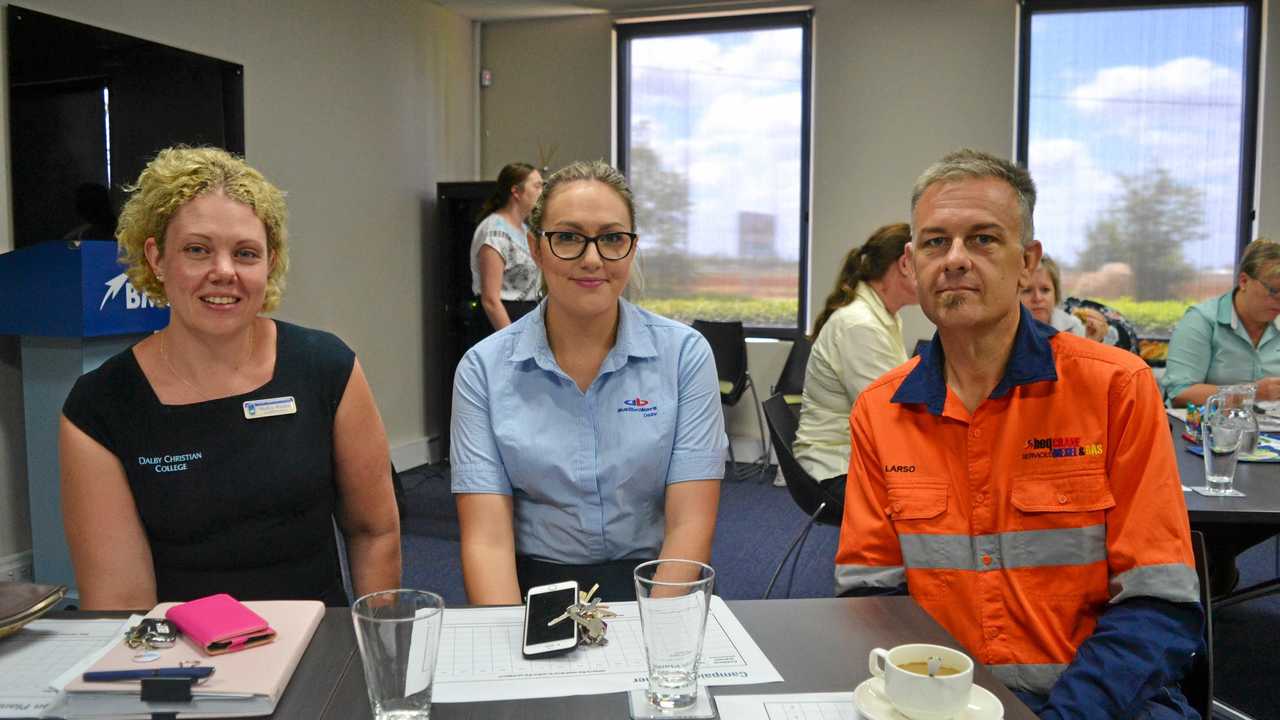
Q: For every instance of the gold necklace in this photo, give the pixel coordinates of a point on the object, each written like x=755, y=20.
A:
x=164, y=355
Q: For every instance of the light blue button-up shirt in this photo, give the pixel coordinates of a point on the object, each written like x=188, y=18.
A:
x=587, y=471
x=1210, y=345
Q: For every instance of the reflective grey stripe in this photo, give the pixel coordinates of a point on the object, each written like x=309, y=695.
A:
x=849, y=577
x=1174, y=582
x=1037, y=679
x=1025, y=548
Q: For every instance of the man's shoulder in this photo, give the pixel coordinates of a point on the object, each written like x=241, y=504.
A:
x=1084, y=362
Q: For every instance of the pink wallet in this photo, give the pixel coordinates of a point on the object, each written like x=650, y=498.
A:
x=220, y=624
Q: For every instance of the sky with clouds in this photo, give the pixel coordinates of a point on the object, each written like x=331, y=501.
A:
x=724, y=109
x=1124, y=92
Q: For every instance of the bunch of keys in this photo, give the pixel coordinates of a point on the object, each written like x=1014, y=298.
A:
x=590, y=617
x=152, y=634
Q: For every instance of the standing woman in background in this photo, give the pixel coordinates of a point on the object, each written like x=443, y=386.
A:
x=503, y=273
x=856, y=339
x=587, y=436
x=213, y=456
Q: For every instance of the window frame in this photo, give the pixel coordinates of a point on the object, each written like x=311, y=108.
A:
x=1246, y=209
x=625, y=32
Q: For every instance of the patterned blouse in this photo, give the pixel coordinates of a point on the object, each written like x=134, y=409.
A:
x=520, y=279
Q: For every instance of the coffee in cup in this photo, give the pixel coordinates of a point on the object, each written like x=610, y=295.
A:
x=913, y=691
x=922, y=668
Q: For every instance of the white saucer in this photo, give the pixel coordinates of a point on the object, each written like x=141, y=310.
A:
x=869, y=700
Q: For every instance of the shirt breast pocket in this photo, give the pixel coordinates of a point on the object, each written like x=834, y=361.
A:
x=917, y=503
x=1064, y=500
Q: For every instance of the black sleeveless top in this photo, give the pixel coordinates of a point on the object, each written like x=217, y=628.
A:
x=231, y=501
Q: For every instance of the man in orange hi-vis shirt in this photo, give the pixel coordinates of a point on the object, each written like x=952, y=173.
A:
x=1020, y=483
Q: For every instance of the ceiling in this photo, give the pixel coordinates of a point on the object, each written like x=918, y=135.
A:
x=524, y=9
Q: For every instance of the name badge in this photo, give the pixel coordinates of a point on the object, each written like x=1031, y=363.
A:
x=269, y=407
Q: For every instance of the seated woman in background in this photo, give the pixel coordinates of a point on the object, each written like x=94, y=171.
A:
x=1041, y=296
x=1232, y=338
x=213, y=455
x=856, y=339
x=503, y=274
x=587, y=437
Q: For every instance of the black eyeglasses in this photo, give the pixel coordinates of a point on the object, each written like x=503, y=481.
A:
x=1273, y=292
x=569, y=245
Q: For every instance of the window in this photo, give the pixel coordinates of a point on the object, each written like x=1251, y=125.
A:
x=713, y=128
x=1138, y=125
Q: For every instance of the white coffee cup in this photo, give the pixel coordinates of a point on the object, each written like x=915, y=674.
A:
x=917, y=695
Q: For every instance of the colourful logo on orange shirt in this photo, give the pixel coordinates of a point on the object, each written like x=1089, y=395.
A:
x=1059, y=447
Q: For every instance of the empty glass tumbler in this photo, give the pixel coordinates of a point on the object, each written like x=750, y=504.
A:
x=398, y=632
x=674, y=597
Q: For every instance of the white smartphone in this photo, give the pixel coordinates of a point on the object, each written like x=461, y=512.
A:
x=543, y=604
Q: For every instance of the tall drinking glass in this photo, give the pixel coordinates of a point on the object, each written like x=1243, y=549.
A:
x=398, y=632
x=1225, y=429
x=674, y=597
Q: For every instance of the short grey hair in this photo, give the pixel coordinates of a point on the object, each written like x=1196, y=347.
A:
x=581, y=171
x=966, y=164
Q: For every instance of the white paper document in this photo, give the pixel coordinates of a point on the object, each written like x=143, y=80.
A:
x=797, y=706
x=35, y=660
x=480, y=658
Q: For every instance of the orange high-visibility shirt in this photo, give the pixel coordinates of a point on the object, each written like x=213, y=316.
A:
x=1015, y=525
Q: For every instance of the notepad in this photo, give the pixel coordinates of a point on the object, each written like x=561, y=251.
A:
x=244, y=684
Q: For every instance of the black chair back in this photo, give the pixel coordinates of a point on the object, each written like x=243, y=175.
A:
x=791, y=381
x=729, y=347
x=807, y=492
x=1197, y=685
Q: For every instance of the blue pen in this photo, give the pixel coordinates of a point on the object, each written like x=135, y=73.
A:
x=194, y=673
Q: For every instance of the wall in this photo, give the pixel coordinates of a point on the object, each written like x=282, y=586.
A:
x=519, y=113
x=357, y=111
x=1268, y=223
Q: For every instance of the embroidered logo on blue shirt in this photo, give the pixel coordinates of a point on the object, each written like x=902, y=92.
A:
x=640, y=405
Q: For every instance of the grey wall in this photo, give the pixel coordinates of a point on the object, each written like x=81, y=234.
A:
x=552, y=85
x=356, y=110
x=1268, y=190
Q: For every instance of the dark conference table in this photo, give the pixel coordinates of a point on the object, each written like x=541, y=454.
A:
x=1260, y=482
x=817, y=645
x=1237, y=522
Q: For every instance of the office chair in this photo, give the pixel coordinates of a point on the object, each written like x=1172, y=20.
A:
x=729, y=348
x=791, y=379
x=344, y=562
x=1197, y=685
x=822, y=503
x=397, y=486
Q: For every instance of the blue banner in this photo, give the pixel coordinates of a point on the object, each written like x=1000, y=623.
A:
x=61, y=289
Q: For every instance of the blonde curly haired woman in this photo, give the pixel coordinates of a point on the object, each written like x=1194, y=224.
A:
x=211, y=456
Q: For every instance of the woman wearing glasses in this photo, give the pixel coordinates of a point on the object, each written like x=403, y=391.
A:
x=1232, y=338
x=587, y=437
